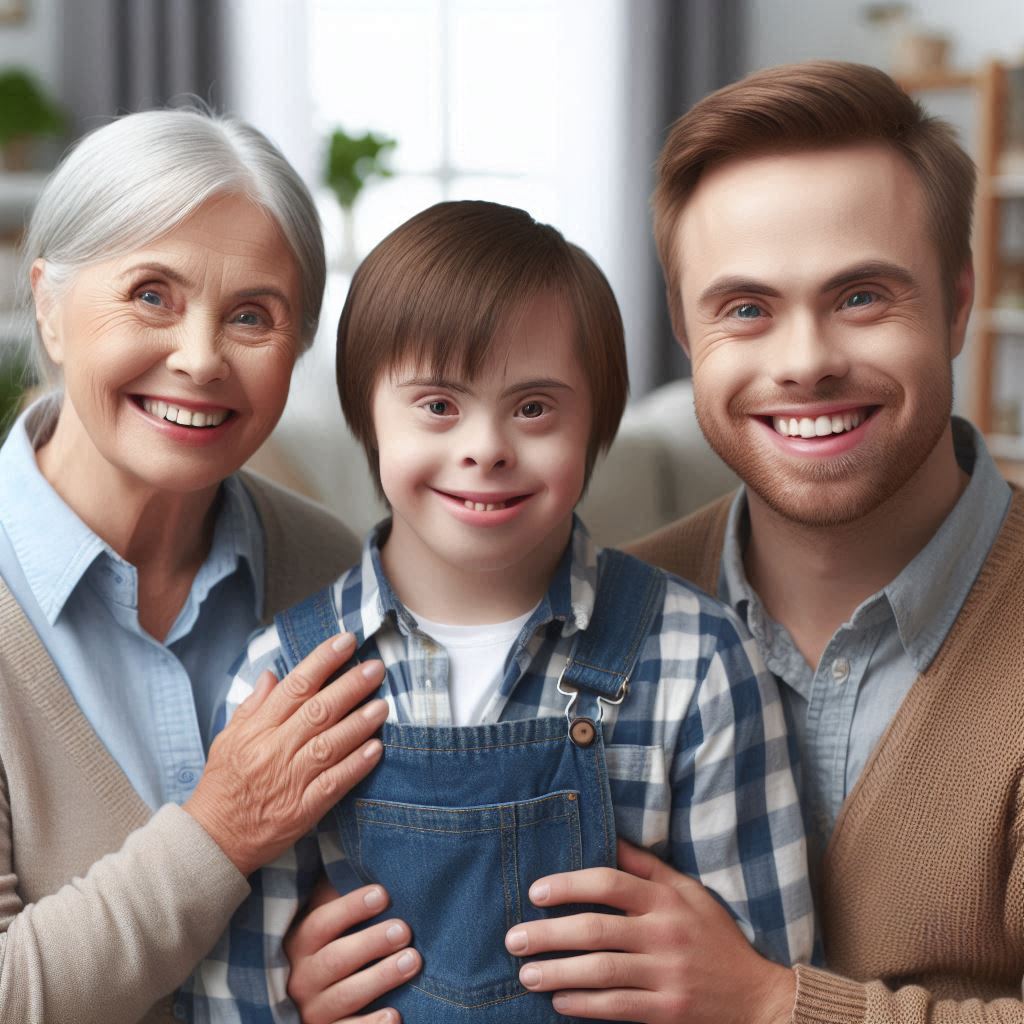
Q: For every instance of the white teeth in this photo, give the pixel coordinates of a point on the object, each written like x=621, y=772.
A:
x=820, y=426
x=183, y=417
x=478, y=506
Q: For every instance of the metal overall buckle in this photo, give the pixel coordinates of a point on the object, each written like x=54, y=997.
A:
x=583, y=730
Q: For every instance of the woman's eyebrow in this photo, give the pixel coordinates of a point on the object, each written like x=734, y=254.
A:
x=153, y=267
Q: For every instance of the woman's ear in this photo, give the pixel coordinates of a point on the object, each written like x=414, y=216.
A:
x=47, y=311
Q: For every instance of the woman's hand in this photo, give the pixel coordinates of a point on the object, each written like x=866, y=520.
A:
x=329, y=980
x=289, y=753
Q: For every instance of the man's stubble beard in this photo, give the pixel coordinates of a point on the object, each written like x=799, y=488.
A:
x=837, y=491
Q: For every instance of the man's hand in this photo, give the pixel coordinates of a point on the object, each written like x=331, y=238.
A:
x=676, y=956
x=329, y=979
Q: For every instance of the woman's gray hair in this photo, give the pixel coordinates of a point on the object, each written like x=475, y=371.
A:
x=133, y=180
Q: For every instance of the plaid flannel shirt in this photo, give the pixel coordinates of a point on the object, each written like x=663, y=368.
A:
x=699, y=764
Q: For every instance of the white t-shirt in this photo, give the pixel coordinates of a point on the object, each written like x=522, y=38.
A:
x=476, y=661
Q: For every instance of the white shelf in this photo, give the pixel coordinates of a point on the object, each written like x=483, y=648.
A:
x=1009, y=186
x=18, y=192
x=1006, y=320
x=1006, y=446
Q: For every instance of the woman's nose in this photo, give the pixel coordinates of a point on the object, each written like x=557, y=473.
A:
x=197, y=353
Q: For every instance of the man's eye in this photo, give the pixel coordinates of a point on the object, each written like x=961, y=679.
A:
x=748, y=311
x=437, y=407
x=531, y=410
x=858, y=299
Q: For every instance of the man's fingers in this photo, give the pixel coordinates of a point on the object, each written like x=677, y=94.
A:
x=604, y=970
x=330, y=915
x=346, y=998
x=644, y=864
x=579, y=931
x=606, y=886
x=612, y=1004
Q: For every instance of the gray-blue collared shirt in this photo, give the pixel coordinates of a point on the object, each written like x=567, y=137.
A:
x=150, y=703
x=841, y=708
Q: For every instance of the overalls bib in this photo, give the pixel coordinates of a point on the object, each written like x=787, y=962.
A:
x=458, y=822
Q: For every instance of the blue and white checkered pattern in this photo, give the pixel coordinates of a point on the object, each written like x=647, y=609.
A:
x=699, y=763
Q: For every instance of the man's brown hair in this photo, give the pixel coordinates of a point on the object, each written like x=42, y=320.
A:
x=437, y=290
x=815, y=105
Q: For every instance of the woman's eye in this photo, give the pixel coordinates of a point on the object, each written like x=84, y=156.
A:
x=150, y=297
x=249, y=318
x=531, y=410
x=858, y=299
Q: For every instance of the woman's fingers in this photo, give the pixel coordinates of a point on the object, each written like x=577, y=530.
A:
x=278, y=767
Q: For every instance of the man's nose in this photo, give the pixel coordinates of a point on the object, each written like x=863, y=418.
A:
x=806, y=352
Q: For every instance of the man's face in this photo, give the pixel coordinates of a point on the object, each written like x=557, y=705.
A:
x=816, y=322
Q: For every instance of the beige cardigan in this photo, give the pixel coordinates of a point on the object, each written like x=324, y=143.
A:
x=923, y=882
x=105, y=907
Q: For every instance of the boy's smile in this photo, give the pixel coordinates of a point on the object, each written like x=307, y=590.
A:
x=483, y=475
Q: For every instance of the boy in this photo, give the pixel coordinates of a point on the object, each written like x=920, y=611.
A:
x=545, y=697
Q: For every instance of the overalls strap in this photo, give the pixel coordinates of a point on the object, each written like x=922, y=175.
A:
x=630, y=595
x=306, y=625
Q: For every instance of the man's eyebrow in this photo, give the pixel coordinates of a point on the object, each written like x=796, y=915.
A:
x=732, y=285
x=872, y=268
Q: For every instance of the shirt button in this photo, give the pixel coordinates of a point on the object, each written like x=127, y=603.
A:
x=840, y=670
x=187, y=776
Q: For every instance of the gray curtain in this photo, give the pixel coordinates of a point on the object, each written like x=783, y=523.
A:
x=681, y=50
x=120, y=56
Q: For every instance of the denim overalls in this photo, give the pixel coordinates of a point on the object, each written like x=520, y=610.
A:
x=457, y=822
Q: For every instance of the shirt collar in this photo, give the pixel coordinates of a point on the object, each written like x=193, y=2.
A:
x=927, y=595
x=368, y=600
x=55, y=548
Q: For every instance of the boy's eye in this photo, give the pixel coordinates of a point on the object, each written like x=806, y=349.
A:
x=438, y=407
x=531, y=410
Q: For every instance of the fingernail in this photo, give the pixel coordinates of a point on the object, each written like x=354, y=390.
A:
x=540, y=893
x=372, y=750
x=343, y=642
x=395, y=933
x=407, y=963
x=530, y=976
x=561, y=1003
x=516, y=941
x=376, y=709
x=374, y=899
x=370, y=670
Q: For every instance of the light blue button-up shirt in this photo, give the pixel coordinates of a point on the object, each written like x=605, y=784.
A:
x=150, y=703
x=840, y=709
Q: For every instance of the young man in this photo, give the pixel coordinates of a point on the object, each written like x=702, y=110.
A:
x=814, y=229
x=546, y=697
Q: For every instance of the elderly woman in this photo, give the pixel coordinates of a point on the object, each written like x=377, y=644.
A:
x=177, y=271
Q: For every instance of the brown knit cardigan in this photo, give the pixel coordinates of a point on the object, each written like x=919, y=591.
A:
x=922, y=897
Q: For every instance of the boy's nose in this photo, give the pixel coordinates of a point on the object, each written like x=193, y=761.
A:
x=197, y=353
x=487, y=448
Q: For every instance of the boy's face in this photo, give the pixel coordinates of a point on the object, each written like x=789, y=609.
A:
x=816, y=321
x=483, y=475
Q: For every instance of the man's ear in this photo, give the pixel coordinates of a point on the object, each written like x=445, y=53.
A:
x=47, y=311
x=963, y=299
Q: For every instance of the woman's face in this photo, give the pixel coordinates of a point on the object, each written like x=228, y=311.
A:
x=177, y=357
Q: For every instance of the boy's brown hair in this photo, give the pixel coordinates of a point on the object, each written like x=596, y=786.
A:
x=437, y=290
x=814, y=105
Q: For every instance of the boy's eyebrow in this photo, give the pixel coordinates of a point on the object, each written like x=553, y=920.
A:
x=537, y=384
x=433, y=382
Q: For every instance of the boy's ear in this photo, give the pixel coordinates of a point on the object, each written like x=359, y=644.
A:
x=963, y=300
x=47, y=312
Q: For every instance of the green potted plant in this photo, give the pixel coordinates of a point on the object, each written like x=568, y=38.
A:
x=16, y=378
x=352, y=161
x=26, y=112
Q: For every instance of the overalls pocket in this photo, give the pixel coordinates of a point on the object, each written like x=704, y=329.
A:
x=460, y=877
